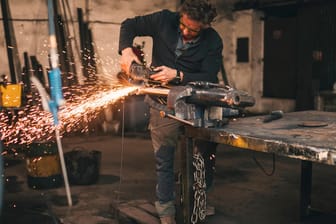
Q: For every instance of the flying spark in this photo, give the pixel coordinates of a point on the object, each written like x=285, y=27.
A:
x=32, y=124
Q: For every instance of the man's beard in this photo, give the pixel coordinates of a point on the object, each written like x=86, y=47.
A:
x=188, y=38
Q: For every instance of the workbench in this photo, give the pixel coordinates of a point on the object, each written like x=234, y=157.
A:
x=309, y=136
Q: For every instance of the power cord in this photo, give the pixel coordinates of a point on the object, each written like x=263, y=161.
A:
x=262, y=168
x=2, y=178
x=122, y=149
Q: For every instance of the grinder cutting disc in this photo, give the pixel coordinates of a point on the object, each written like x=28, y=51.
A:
x=313, y=124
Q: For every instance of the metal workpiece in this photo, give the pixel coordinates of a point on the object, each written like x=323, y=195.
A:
x=165, y=114
x=210, y=94
x=222, y=97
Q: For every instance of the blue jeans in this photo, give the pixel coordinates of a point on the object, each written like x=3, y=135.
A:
x=164, y=134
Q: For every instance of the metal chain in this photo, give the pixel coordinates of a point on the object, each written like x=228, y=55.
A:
x=199, y=210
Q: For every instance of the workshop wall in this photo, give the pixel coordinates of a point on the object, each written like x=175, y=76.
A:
x=244, y=63
x=30, y=21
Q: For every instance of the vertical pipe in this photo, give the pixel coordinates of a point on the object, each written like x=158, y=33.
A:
x=67, y=48
x=12, y=51
x=26, y=73
x=38, y=70
x=52, y=36
x=187, y=199
x=92, y=63
x=56, y=93
x=81, y=28
x=305, y=188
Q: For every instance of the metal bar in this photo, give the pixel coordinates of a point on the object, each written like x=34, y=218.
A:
x=81, y=28
x=12, y=50
x=154, y=91
x=87, y=50
x=306, y=187
x=61, y=47
x=92, y=57
x=69, y=56
x=38, y=70
x=187, y=200
x=26, y=73
x=164, y=114
x=64, y=53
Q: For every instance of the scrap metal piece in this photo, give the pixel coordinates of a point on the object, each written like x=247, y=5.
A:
x=313, y=124
x=206, y=93
x=275, y=115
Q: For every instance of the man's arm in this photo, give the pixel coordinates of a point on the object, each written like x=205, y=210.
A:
x=132, y=27
x=147, y=25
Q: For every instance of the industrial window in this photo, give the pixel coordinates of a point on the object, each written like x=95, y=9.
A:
x=243, y=49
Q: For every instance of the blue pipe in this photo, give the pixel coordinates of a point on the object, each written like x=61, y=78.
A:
x=56, y=94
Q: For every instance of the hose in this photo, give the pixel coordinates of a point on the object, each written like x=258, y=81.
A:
x=2, y=178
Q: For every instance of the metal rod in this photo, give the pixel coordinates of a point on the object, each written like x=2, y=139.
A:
x=154, y=91
x=82, y=38
x=164, y=114
x=12, y=50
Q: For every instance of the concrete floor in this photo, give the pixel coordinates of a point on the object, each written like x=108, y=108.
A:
x=243, y=193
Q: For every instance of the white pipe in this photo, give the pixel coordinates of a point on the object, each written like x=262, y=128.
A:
x=64, y=171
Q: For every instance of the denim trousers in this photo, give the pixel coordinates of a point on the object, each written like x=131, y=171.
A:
x=164, y=135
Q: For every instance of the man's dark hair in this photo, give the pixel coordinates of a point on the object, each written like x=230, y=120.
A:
x=199, y=10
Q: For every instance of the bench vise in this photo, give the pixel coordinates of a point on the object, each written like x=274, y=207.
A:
x=195, y=103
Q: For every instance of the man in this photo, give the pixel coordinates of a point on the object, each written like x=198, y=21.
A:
x=185, y=48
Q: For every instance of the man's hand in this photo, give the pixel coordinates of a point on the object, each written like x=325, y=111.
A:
x=164, y=74
x=127, y=57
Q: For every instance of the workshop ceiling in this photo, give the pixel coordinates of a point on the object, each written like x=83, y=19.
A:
x=260, y=4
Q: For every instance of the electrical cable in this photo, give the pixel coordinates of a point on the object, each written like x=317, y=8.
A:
x=262, y=168
x=2, y=178
x=122, y=149
x=49, y=211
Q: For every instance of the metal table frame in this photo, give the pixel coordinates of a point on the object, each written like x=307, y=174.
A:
x=305, y=135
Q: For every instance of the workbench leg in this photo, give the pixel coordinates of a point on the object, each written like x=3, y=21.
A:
x=306, y=187
x=187, y=199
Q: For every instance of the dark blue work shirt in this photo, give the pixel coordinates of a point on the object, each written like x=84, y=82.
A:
x=201, y=61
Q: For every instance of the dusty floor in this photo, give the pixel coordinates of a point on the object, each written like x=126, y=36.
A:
x=243, y=193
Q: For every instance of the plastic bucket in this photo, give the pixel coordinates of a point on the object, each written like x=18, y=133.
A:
x=83, y=167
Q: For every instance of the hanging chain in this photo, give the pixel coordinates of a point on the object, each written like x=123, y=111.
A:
x=199, y=210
